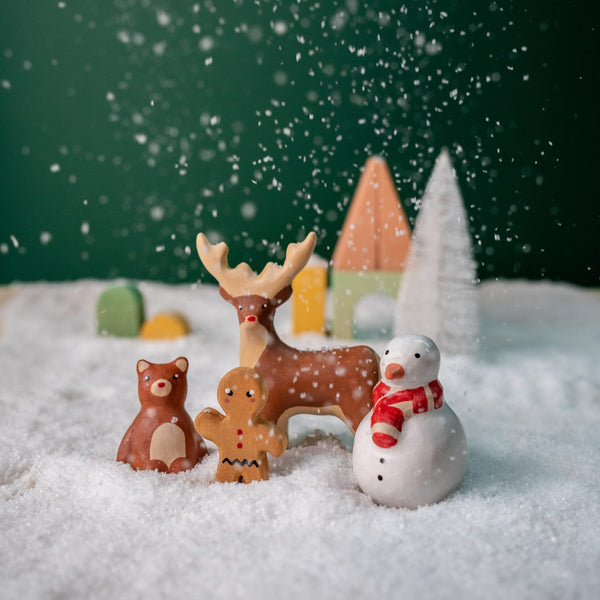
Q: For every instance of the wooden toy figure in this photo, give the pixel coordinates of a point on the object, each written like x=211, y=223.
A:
x=411, y=449
x=243, y=438
x=309, y=297
x=120, y=311
x=165, y=326
x=335, y=382
x=371, y=251
x=162, y=436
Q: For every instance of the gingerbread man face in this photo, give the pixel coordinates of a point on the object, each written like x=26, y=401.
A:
x=242, y=393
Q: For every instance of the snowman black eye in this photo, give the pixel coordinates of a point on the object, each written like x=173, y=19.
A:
x=229, y=391
x=417, y=355
x=387, y=352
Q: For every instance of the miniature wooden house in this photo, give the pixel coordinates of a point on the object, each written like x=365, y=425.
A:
x=371, y=252
x=165, y=326
x=308, y=300
x=120, y=311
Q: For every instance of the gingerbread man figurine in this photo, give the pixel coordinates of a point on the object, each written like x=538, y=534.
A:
x=243, y=438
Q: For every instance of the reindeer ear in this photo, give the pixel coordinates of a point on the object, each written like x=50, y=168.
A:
x=283, y=295
x=225, y=294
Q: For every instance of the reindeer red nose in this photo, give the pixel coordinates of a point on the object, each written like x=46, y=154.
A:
x=251, y=318
x=394, y=371
x=161, y=384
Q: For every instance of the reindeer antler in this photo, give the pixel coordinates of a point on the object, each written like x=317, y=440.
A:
x=241, y=280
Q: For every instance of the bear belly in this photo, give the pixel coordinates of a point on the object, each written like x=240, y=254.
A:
x=168, y=443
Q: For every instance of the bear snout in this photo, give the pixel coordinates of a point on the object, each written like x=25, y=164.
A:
x=161, y=387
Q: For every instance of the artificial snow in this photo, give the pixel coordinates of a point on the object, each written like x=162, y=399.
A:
x=76, y=524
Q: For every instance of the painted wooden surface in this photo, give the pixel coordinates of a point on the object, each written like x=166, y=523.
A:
x=308, y=299
x=162, y=436
x=373, y=246
x=241, y=435
x=348, y=287
x=120, y=311
x=335, y=381
x=165, y=326
x=376, y=233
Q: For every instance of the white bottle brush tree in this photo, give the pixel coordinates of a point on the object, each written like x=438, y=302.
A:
x=437, y=296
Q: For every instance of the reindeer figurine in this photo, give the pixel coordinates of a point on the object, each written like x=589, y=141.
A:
x=336, y=382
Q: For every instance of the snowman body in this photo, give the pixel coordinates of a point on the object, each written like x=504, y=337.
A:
x=426, y=464
x=424, y=461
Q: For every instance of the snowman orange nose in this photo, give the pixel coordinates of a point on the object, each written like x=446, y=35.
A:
x=394, y=371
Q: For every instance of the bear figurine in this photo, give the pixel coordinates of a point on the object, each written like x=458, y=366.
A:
x=162, y=437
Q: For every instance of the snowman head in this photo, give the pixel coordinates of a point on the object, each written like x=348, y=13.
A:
x=410, y=361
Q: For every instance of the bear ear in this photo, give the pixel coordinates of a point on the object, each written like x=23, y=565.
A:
x=181, y=363
x=142, y=365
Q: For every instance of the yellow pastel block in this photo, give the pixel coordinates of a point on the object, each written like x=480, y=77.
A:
x=308, y=301
x=165, y=326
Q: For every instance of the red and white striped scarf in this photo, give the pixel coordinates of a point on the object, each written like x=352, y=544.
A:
x=392, y=408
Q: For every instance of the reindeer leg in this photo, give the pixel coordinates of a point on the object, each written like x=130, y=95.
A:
x=354, y=413
x=282, y=424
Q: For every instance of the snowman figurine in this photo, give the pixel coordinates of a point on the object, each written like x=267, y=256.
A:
x=410, y=450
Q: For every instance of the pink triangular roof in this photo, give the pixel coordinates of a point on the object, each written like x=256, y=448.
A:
x=376, y=233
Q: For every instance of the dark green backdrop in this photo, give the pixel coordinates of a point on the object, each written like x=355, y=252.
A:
x=130, y=125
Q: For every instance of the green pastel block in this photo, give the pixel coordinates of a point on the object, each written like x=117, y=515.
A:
x=348, y=287
x=120, y=311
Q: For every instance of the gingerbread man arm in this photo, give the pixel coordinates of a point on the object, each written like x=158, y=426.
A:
x=273, y=440
x=207, y=423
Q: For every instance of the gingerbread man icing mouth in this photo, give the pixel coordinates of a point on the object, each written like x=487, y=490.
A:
x=243, y=462
x=243, y=438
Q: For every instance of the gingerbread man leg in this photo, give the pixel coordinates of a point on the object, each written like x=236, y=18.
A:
x=227, y=473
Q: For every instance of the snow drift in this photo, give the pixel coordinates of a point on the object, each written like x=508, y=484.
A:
x=76, y=524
